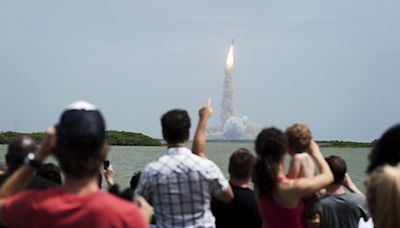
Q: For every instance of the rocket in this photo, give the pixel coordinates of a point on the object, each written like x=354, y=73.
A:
x=229, y=60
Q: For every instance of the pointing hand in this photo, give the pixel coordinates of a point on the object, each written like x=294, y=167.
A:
x=206, y=110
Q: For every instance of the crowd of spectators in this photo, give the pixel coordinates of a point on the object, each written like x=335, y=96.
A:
x=183, y=188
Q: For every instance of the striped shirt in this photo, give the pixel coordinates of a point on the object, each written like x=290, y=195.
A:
x=180, y=186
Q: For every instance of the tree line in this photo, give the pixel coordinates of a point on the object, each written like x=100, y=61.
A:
x=117, y=138
x=346, y=144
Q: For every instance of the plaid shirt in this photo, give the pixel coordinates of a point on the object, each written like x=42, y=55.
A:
x=180, y=186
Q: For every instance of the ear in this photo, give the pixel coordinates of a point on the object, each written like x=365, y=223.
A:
x=187, y=135
x=104, y=151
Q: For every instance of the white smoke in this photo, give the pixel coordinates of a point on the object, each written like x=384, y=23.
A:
x=232, y=126
x=235, y=128
x=228, y=108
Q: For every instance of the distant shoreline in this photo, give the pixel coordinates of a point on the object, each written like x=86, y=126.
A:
x=125, y=138
x=322, y=143
x=114, y=138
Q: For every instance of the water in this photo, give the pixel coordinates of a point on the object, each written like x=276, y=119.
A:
x=126, y=160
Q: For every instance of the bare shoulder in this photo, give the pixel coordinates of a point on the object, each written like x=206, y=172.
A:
x=288, y=194
x=302, y=157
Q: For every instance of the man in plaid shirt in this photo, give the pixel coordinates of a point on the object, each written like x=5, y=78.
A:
x=180, y=184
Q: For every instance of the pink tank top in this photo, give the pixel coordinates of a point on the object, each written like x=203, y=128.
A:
x=276, y=216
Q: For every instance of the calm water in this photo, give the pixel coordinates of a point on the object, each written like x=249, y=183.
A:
x=126, y=160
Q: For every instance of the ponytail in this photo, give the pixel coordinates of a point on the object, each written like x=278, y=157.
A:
x=270, y=146
x=264, y=177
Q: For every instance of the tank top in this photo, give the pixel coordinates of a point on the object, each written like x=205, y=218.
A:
x=276, y=216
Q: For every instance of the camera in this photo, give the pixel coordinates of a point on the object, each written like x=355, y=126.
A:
x=106, y=164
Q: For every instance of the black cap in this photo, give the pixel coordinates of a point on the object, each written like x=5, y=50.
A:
x=81, y=127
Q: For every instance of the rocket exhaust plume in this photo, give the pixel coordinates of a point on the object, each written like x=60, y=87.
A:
x=229, y=59
x=228, y=105
x=232, y=126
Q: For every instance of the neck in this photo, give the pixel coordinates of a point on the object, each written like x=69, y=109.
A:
x=182, y=144
x=335, y=189
x=239, y=182
x=81, y=186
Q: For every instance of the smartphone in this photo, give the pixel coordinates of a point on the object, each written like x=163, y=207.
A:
x=106, y=164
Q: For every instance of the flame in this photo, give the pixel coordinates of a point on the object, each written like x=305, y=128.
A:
x=229, y=60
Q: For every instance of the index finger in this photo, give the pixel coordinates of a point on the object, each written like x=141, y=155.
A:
x=209, y=102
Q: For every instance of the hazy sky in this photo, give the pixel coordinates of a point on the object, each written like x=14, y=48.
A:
x=331, y=64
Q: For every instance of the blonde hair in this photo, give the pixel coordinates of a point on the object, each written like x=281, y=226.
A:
x=299, y=137
x=383, y=195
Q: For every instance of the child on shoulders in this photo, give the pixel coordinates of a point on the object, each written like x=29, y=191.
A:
x=299, y=139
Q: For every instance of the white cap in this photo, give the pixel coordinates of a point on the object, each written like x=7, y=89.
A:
x=81, y=105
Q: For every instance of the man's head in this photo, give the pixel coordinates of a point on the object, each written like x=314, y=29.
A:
x=80, y=145
x=338, y=168
x=298, y=137
x=175, y=126
x=241, y=164
x=17, y=150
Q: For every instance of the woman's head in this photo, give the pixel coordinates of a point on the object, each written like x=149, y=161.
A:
x=383, y=196
x=386, y=150
x=270, y=147
x=271, y=143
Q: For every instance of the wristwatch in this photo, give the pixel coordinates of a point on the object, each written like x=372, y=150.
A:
x=30, y=159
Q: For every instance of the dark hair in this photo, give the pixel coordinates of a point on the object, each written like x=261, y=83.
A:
x=298, y=137
x=134, y=180
x=50, y=172
x=386, y=150
x=127, y=193
x=17, y=150
x=241, y=164
x=270, y=148
x=80, y=163
x=175, y=126
x=338, y=168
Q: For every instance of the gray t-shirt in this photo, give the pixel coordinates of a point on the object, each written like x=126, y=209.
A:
x=342, y=211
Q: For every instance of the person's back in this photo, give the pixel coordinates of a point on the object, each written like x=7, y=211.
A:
x=58, y=208
x=280, y=199
x=301, y=165
x=340, y=208
x=299, y=139
x=78, y=143
x=276, y=215
x=242, y=211
x=180, y=184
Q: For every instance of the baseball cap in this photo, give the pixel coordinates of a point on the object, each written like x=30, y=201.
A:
x=81, y=127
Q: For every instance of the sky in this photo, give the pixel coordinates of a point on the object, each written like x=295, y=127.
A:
x=333, y=65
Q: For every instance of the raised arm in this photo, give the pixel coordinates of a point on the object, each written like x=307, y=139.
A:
x=199, y=141
x=349, y=184
x=22, y=176
x=306, y=186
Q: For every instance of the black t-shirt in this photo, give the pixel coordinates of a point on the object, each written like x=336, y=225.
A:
x=241, y=212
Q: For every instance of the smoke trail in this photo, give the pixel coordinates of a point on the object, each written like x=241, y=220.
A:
x=232, y=126
x=228, y=103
